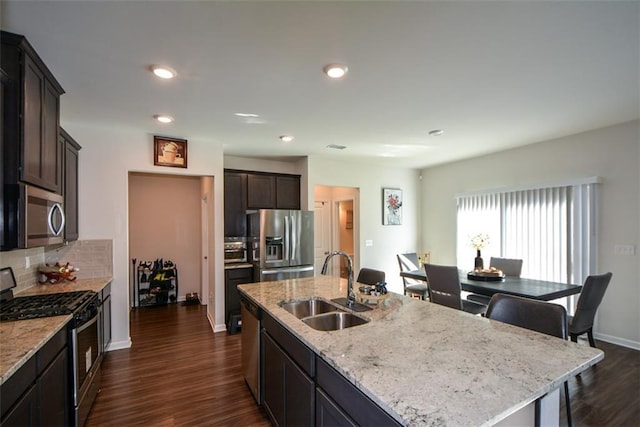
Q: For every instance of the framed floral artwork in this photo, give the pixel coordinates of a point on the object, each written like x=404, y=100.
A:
x=391, y=206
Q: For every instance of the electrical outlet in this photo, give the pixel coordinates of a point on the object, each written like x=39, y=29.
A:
x=27, y=262
x=624, y=250
x=368, y=243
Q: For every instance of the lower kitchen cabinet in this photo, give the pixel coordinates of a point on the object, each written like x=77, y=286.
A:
x=39, y=393
x=105, y=318
x=328, y=413
x=300, y=388
x=289, y=397
x=232, y=278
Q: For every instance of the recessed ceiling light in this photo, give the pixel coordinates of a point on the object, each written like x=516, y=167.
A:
x=436, y=132
x=163, y=72
x=335, y=71
x=286, y=138
x=163, y=118
x=246, y=115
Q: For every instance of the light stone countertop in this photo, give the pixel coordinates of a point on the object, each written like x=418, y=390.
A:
x=21, y=339
x=430, y=365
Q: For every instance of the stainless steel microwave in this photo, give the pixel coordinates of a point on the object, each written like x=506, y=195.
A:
x=32, y=217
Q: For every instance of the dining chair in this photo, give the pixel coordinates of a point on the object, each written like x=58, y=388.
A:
x=509, y=266
x=444, y=289
x=590, y=298
x=409, y=262
x=539, y=316
x=369, y=276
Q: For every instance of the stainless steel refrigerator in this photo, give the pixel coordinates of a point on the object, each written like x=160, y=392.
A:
x=281, y=244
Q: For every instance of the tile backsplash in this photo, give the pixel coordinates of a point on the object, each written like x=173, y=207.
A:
x=93, y=258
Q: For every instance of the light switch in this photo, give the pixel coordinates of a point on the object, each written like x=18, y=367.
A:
x=368, y=243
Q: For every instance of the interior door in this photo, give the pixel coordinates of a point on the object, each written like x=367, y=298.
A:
x=322, y=226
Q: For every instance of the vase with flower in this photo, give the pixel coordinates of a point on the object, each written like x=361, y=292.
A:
x=478, y=242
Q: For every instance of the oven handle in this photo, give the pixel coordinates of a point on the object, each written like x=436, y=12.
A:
x=86, y=325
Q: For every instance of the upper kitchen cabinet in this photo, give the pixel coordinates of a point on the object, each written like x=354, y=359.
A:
x=288, y=192
x=235, y=204
x=31, y=117
x=261, y=191
x=70, y=184
x=273, y=191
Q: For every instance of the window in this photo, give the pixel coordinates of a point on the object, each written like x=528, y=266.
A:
x=553, y=229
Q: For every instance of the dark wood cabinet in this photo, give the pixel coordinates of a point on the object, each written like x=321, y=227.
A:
x=329, y=414
x=70, y=184
x=235, y=204
x=39, y=393
x=233, y=278
x=288, y=392
x=105, y=317
x=31, y=115
x=288, y=192
x=245, y=190
x=261, y=191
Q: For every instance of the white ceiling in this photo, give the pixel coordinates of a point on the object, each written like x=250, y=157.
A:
x=492, y=75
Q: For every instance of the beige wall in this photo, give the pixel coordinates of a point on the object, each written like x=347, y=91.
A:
x=612, y=153
x=164, y=222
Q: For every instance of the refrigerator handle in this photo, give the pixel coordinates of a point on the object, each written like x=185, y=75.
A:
x=287, y=237
x=294, y=236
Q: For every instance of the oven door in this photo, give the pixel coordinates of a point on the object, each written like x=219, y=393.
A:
x=87, y=352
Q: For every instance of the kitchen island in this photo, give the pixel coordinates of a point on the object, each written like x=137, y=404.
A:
x=425, y=364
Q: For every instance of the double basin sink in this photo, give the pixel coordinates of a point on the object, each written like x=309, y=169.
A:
x=322, y=315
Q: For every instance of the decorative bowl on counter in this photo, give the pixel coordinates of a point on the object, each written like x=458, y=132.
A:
x=57, y=273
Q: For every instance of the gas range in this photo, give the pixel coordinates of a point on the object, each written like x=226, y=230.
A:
x=46, y=305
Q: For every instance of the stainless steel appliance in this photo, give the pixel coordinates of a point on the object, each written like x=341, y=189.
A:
x=281, y=244
x=33, y=217
x=250, y=339
x=83, y=329
x=234, y=252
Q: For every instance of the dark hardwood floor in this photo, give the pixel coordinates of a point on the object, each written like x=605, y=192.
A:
x=178, y=373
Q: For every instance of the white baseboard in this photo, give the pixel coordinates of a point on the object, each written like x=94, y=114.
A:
x=119, y=345
x=617, y=341
x=216, y=328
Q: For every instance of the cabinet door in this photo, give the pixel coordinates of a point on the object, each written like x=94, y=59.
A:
x=330, y=414
x=53, y=390
x=106, y=322
x=288, y=192
x=273, y=380
x=25, y=411
x=235, y=204
x=288, y=392
x=70, y=188
x=41, y=157
x=233, y=278
x=261, y=191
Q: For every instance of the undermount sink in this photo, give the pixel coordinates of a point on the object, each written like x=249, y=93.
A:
x=334, y=321
x=308, y=307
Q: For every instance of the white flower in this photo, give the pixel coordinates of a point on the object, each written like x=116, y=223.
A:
x=479, y=241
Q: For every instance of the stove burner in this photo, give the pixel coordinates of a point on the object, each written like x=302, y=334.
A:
x=44, y=305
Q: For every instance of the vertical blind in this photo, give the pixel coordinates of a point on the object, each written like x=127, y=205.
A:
x=552, y=229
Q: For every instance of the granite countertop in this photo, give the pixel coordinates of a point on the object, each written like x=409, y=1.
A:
x=427, y=364
x=21, y=339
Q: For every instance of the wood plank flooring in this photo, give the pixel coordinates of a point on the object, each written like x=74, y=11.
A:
x=178, y=373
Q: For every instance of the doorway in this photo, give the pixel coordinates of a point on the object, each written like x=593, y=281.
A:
x=336, y=227
x=165, y=222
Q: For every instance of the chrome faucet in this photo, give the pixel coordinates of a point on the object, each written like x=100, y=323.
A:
x=351, y=297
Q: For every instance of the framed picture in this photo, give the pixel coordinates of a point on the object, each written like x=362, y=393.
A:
x=391, y=206
x=169, y=152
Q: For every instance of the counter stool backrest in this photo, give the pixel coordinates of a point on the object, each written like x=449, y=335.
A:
x=540, y=316
x=444, y=285
x=369, y=276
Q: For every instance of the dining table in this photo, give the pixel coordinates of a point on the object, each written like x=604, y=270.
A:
x=519, y=286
